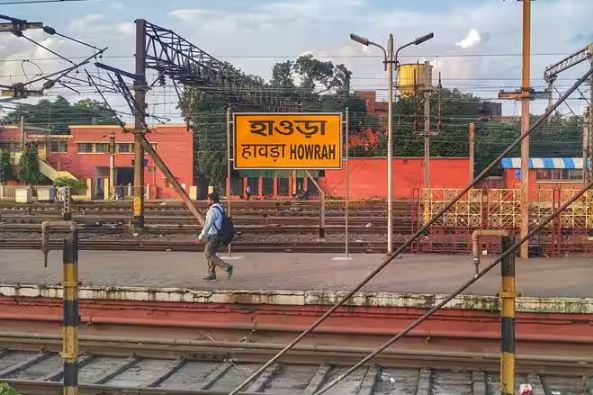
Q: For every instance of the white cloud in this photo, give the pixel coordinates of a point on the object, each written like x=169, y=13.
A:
x=472, y=39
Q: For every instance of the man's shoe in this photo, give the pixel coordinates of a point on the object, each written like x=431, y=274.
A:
x=210, y=277
x=229, y=271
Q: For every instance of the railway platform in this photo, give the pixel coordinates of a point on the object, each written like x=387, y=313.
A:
x=411, y=274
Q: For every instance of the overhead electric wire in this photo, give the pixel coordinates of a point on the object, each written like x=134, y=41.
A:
x=410, y=240
x=23, y=2
x=46, y=48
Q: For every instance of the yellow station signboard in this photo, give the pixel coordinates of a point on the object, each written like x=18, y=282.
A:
x=287, y=141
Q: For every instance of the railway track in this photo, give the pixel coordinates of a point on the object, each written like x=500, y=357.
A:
x=32, y=364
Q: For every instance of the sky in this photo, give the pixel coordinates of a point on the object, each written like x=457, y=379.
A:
x=476, y=48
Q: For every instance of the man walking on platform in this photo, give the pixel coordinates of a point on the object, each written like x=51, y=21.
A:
x=210, y=231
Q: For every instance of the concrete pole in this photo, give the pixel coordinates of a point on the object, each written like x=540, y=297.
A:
x=472, y=149
x=525, y=93
x=390, y=65
x=427, y=85
x=140, y=97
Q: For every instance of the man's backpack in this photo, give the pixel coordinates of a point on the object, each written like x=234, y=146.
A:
x=226, y=233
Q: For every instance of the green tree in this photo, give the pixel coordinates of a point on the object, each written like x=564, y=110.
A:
x=323, y=86
x=28, y=167
x=57, y=115
x=6, y=171
x=6, y=389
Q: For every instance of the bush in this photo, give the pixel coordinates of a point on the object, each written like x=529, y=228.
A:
x=6, y=171
x=6, y=389
x=69, y=182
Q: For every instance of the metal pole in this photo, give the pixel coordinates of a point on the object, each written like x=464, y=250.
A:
x=139, y=122
x=507, y=329
x=427, y=84
x=390, y=65
x=71, y=317
x=112, y=165
x=322, y=209
x=229, y=168
x=472, y=149
x=525, y=93
x=347, y=206
x=67, y=210
x=587, y=163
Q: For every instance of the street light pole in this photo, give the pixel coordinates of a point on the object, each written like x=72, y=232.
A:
x=390, y=61
x=389, y=65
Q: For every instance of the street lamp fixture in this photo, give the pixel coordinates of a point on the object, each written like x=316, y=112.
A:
x=390, y=61
x=359, y=39
x=426, y=37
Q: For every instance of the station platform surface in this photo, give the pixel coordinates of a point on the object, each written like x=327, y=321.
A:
x=569, y=277
x=412, y=273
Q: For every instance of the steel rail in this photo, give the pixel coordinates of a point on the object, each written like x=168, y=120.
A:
x=421, y=231
x=462, y=288
x=147, y=347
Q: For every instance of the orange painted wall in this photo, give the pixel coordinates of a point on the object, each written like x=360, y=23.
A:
x=368, y=177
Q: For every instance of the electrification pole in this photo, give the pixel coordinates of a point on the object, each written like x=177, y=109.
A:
x=140, y=97
x=587, y=165
x=525, y=97
x=427, y=88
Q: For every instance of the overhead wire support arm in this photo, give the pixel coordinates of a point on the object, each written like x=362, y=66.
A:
x=174, y=57
x=552, y=71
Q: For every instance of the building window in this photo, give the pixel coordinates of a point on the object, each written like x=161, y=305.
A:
x=125, y=147
x=58, y=146
x=102, y=147
x=560, y=174
x=85, y=147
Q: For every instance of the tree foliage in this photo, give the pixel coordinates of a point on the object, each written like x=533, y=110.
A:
x=70, y=183
x=6, y=389
x=315, y=85
x=56, y=115
x=28, y=167
x=6, y=170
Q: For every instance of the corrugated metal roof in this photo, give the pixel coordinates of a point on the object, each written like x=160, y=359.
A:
x=544, y=163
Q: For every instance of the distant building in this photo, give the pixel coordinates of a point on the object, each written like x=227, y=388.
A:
x=85, y=154
x=373, y=107
x=544, y=173
x=490, y=109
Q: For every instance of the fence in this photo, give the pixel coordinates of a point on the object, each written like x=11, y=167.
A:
x=500, y=209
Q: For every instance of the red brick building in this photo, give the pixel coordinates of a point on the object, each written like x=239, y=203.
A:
x=85, y=154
